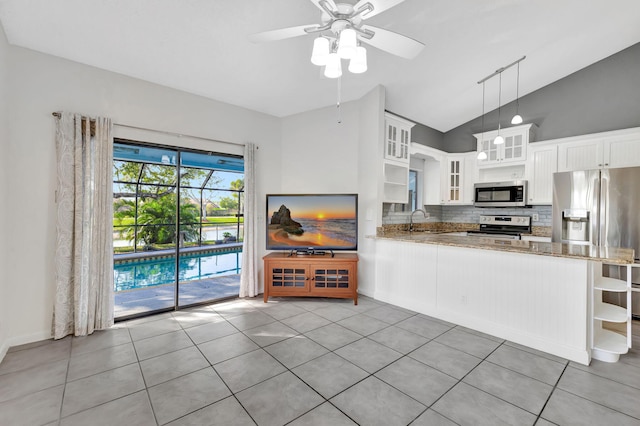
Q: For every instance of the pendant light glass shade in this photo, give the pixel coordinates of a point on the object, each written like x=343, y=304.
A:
x=482, y=155
x=320, y=51
x=517, y=119
x=499, y=140
x=347, y=43
x=333, y=69
x=358, y=64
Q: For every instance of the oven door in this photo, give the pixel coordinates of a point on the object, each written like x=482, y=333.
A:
x=500, y=194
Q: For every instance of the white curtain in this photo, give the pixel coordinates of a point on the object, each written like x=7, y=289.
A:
x=249, y=286
x=84, y=246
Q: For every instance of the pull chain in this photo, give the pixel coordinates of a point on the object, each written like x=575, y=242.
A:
x=338, y=102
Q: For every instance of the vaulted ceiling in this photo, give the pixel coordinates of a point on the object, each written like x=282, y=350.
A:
x=202, y=47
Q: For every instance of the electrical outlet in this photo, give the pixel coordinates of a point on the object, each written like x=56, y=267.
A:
x=535, y=217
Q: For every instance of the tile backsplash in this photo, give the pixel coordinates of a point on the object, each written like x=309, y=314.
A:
x=464, y=214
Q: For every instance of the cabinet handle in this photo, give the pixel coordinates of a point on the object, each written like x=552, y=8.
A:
x=599, y=165
x=606, y=164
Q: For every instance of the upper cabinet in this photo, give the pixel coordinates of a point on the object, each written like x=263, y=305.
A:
x=513, y=150
x=459, y=175
x=395, y=166
x=603, y=150
x=397, y=138
x=542, y=163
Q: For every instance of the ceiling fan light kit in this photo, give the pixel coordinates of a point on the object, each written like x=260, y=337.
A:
x=320, y=51
x=333, y=69
x=347, y=43
x=358, y=64
x=341, y=33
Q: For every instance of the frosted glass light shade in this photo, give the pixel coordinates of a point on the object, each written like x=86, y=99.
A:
x=358, y=64
x=333, y=69
x=517, y=119
x=320, y=51
x=482, y=155
x=499, y=140
x=347, y=44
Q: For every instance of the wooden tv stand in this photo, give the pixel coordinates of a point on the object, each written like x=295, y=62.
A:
x=311, y=275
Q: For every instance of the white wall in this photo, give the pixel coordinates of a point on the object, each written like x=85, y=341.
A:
x=320, y=155
x=41, y=84
x=4, y=191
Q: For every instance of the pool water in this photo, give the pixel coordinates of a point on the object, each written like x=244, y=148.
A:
x=194, y=266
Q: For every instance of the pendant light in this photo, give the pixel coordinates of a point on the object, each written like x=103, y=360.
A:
x=517, y=119
x=482, y=155
x=499, y=140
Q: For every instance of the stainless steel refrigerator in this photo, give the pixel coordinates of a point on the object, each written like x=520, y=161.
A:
x=600, y=207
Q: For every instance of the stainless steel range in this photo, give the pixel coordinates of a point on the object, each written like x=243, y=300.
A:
x=503, y=227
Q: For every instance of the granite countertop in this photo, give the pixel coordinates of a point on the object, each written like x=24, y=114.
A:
x=614, y=255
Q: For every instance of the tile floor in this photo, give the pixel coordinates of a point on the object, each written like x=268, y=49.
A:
x=307, y=362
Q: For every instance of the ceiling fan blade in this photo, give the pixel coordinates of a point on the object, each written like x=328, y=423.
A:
x=394, y=43
x=379, y=6
x=281, y=34
x=331, y=3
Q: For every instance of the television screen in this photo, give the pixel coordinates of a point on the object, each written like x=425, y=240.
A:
x=312, y=222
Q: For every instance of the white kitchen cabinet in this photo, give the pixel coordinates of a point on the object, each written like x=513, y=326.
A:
x=470, y=177
x=513, y=150
x=542, y=163
x=453, y=184
x=397, y=138
x=396, y=159
x=602, y=150
x=459, y=173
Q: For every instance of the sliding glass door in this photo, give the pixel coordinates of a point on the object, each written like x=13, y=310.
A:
x=177, y=227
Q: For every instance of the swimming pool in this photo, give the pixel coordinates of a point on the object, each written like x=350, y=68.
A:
x=145, y=273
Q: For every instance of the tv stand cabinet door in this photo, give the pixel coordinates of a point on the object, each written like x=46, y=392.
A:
x=334, y=279
x=286, y=278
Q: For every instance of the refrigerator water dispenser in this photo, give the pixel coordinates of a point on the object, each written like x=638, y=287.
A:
x=575, y=226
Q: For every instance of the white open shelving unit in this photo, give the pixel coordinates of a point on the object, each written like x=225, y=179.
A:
x=608, y=345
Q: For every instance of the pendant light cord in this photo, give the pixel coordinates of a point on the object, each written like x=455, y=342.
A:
x=499, y=101
x=518, y=90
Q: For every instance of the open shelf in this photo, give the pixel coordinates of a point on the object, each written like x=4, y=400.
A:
x=609, y=312
x=609, y=346
x=610, y=284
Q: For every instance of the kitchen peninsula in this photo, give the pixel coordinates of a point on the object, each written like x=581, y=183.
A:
x=532, y=293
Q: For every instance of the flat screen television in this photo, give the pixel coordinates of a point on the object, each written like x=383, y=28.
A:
x=311, y=223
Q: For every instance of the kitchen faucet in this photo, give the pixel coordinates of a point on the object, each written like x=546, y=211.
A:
x=411, y=218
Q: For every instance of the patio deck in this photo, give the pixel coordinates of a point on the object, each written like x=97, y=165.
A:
x=137, y=301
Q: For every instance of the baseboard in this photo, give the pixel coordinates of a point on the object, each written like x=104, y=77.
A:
x=4, y=347
x=22, y=340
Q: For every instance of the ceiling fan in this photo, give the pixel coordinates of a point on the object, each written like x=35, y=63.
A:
x=342, y=25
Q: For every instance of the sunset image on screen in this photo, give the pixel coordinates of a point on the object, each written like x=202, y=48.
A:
x=312, y=221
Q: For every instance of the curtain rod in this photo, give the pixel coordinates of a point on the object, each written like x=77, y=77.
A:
x=164, y=132
x=500, y=70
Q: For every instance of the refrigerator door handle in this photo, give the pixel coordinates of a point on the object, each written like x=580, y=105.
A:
x=603, y=220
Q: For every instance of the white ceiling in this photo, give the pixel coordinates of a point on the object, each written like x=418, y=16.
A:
x=201, y=47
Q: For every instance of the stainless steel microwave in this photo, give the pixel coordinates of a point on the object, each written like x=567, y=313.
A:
x=500, y=194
